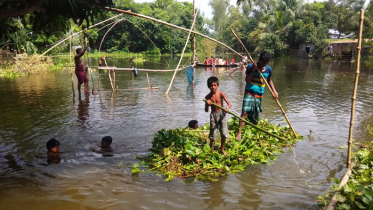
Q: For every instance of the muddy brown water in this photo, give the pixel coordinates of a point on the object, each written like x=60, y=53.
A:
x=316, y=95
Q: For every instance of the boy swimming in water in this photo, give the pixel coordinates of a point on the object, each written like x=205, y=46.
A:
x=193, y=124
x=218, y=119
x=53, y=154
x=105, y=145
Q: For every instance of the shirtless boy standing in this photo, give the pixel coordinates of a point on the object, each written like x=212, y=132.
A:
x=218, y=120
x=80, y=70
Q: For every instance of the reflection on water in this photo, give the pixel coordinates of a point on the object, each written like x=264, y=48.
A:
x=316, y=95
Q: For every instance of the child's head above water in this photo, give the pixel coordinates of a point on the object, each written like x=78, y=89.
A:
x=53, y=145
x=212, y=80
x=193, y=124
x=106, y=141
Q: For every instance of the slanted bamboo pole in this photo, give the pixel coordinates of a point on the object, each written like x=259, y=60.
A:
x=114, y=78
x=344, y=180
x=355, y=88
x=102, y=40
x=62, y=41
x=111, y=82
x=90, y=72
x=174, y=26
x=99, y=80
x=256, y=127
x=133, y=80
x=270, y=90
x=72, y=84
x=181, y=57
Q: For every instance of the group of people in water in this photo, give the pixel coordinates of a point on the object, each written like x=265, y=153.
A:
x=53, y=147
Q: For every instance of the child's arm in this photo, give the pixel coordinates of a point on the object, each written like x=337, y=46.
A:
x=226, y=100
x=249, y=76
x=272, y=86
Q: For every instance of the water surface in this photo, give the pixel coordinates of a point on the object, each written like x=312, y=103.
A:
x=316, y=95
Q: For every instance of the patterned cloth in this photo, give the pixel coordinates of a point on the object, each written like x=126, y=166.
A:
x=80, y=74
x=218, y=121
x=252, y=106
x=256, y=86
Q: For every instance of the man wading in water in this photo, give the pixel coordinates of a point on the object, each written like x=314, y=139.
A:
x=80, y=70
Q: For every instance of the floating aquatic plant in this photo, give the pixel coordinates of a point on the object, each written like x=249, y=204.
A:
x=357, y=193
x=186, y=153
x=33, y=64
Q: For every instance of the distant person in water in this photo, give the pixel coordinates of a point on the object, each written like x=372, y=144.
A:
x=193, y=124
x=53, y=154
x=205, y=62
x=80, y=70
x=105, y=145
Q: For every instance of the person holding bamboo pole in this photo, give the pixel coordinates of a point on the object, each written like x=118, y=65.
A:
x=254, y=90
x=80, y=70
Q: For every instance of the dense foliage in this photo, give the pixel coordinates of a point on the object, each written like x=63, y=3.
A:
x=186, y=153
x=272, y=25
x=358, y=192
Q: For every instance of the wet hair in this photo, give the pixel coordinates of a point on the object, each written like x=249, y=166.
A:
x=78, y=50
x=224, y=58
x=52, y=143
x=265, y=56
x=206, y=58
x=220, y=56
x=192, y=123
x=211, y=80
x=107, y=139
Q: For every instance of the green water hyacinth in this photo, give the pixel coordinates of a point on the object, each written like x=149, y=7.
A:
x=186, y=153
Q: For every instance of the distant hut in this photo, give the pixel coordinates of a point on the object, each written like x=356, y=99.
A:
x=305, y=50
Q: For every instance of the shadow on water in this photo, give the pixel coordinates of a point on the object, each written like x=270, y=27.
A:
x=316, y=95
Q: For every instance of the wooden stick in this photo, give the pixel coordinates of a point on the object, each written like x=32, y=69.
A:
x=102, y=40
x=147, y=76
x=114, y=78
x=355, y=88
x=90, y=72
x=99, y=80
x=72, y=84
x=344, y=180
x=111, y=82
x=133, y=81
x=174, y=26
x=256, y=127
x=131, y=69
x=62, y=41
x=181, y=57
x=270, y=90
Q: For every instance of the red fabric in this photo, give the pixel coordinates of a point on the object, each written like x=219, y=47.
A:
x=80, y=74
x=210, y=61
x=233, y=61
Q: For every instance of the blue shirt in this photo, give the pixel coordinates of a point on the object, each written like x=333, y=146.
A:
x=256, y=86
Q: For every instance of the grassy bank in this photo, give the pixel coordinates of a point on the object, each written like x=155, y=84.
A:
x=186, y=153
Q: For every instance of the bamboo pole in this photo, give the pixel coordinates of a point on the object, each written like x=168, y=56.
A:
x=62, y=41
x=131, y=69
x=270, y=90
x=99, y=80
x=90, y=72
x=181, y=57
x=355, y=88
x=147, y=76
x=344, y=180
x=256, y=127
x=133, y=80
x=174, y=26
x=111, y=82
x=102, y=40
x=72, y=84
x=114, y=78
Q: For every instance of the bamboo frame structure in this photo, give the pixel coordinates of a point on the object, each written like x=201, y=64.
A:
x=102, y=40
x=181, y=57
x=256, y=127
x=62, y=41
x=171, y=25
x=278, y=103
x=111, y=82
x=355, y=88
x=131, y=69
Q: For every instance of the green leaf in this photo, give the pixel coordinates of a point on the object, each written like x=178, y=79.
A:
x=341, y=198
x=207, y=148
x=368, y=193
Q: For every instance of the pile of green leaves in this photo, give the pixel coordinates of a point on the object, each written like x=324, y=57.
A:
x=358, y=192
x=186, y=153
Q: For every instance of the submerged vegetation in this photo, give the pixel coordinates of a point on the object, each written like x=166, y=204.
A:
x=186, y=153
x=357, y=193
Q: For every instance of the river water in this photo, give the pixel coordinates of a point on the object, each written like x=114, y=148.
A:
x=316, y=95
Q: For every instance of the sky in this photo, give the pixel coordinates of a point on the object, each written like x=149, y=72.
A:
x=204, y=5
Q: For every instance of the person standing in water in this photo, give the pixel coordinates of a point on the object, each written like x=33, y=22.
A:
x=80, y=70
